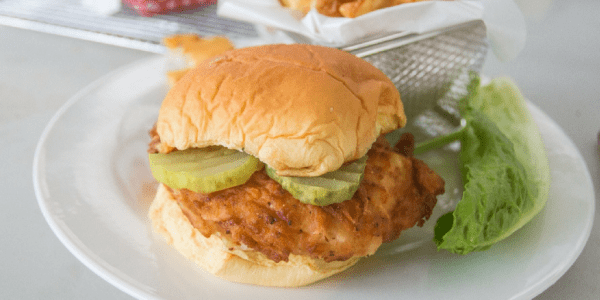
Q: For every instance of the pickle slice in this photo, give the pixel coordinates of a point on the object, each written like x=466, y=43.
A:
x=204, y=170
x=329, y=188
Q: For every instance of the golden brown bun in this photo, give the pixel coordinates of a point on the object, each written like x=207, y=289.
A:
x=217, y=257
x=304, y=110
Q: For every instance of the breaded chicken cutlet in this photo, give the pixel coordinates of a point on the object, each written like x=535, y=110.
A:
x=397, y=193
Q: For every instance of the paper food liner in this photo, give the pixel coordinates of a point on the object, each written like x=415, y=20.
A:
x=503, y=20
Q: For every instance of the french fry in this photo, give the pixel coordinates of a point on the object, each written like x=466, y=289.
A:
x=342, y=8
x=194, y=50
x=360, y=7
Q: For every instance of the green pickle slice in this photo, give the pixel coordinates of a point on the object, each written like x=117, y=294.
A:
x=329, y=188
x=203, y=170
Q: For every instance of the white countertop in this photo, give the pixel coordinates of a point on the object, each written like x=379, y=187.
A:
x=559, y=71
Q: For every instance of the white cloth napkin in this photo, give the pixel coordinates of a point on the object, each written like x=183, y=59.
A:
x=503, y=19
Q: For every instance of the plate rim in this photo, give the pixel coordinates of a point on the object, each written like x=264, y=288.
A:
x=80, y=251
x=553, y=277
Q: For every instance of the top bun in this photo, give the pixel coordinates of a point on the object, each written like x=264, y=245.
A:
x=303, y=110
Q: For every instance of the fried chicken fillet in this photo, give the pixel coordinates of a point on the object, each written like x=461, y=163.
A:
x=397, y=193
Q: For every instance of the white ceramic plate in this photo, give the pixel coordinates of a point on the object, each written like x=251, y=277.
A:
x=94, y=187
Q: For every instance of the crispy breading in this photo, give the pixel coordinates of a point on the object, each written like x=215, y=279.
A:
x=397, y=193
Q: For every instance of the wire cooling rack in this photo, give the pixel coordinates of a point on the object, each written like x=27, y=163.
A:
x=124, y=28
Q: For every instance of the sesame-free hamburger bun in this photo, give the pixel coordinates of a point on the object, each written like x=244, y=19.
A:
x=303, y=110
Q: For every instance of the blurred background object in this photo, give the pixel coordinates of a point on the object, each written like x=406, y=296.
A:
x=136, y=24
x=148, y=8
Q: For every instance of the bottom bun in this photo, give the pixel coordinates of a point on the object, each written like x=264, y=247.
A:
x=222, y=258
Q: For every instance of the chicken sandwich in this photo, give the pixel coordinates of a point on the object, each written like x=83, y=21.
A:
x=274, y=169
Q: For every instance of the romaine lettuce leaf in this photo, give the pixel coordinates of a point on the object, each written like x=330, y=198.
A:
x=505, y=170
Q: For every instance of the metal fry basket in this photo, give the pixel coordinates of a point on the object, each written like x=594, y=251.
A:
x=424, y=67
x=431, y=71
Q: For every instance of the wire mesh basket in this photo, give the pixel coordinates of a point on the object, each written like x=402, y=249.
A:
x=423, y=70
x=431, y=71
